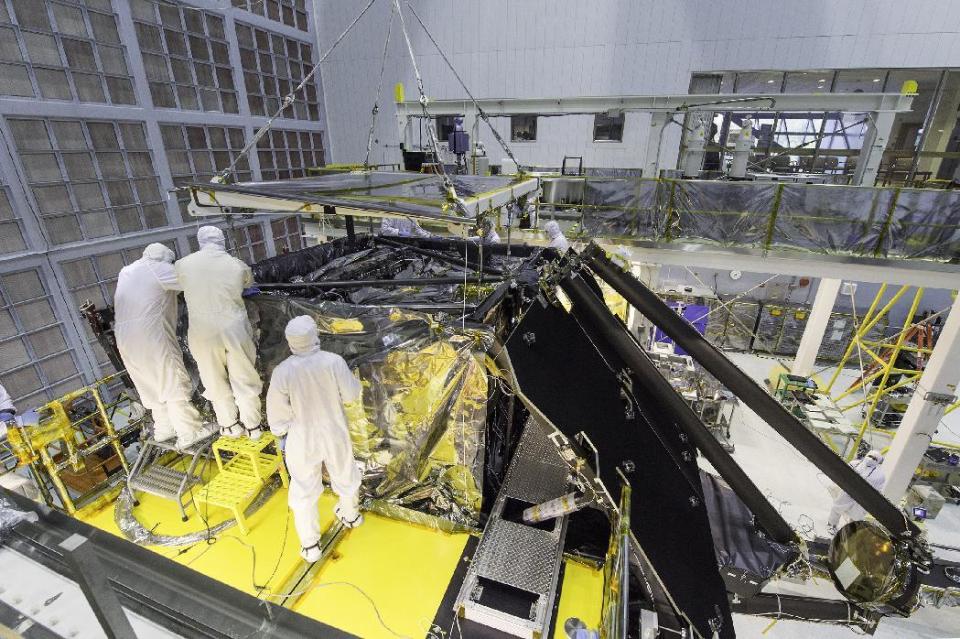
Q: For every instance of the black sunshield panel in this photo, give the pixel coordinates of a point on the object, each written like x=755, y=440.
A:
x=562, y=373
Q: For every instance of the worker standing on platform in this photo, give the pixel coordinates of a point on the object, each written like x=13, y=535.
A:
x=844, y=505
x=145, y=325
x=557, y=239
x=305, y=403
x=488, y=234
x=401, y=227
x=7, y=409
x=220, y=336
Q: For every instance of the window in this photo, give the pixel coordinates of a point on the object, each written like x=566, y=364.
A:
x=90, y=179
x=523, y=128
x=274, y=65
x=197, y=153
x=860, y=81
x=445, y=126
x=60, y=51
x=248, y=243
x=808, y=82
x=11, y=229
x=94, y=278
x=36, y=364
x=286, y=154
x=287, y=235
x=292, y=13
x=608, y=127
x=759, y=82
x=186, y=57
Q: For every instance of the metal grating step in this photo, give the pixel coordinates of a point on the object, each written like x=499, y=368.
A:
x=518, y=555
x=512, y=582
x=160, y=481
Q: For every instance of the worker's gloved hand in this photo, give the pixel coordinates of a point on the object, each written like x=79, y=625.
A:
x=6, y=415
x=250, y=292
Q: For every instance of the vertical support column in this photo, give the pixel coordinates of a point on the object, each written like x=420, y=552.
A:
x=936, y=390
x=651, y=162
x=816, y=327
x=875, y=141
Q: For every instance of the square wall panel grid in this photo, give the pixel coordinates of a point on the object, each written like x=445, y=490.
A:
x=292, y=13
x=90, y=179
x=273, y=65
x=63, y=51
x=285, y=153
x=198, y=153
x=287, y=234
x=185, y=56
x=36, y=362
x=11, y=226
x=94, y=279
x=248, y=242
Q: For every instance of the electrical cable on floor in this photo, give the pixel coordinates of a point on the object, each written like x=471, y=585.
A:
x=357, y=588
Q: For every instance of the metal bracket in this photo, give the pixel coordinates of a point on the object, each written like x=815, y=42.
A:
x=940, y=399
x=91, y=576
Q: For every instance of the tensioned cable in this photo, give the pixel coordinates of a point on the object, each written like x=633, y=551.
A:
x=289, y=99
x=431, y=129
x=376, y=102
x=483, y=114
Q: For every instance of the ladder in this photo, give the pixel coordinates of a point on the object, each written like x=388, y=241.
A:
x=157, y=471
x=512, y=582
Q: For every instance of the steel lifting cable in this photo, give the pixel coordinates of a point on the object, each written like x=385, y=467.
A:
x=288, y=99
x=483, y=114
x=376, y=101
x=431, y=130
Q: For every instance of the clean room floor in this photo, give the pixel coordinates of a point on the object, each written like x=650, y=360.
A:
x=800, y=491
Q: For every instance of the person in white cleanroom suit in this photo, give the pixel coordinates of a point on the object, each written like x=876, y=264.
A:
x=7, y=409
x=488, y=234
x=145, y=325
x=557, y=239
x=844, y=505
x=401, y=227
x=305, y=403
x=219, y=335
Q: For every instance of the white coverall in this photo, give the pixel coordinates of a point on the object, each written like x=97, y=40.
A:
x=145, y=324
x=401, y=227
x=220, y=336
x=869, y=468
x=6, y=404
x=557, y=238
x=305, y=402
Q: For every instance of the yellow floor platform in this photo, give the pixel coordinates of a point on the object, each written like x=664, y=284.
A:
x=384, y=579
x=403, y=568
x=581, y=596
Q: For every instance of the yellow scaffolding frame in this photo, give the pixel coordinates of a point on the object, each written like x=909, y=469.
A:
x=883, y=354
x=58, y=431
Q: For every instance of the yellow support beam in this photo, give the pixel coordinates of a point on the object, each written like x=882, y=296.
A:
x=853, y=343
x=890, y=365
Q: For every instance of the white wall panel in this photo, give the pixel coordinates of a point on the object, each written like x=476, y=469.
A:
x=541, y=48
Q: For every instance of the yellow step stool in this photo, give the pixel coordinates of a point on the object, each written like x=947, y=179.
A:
x=242, y=474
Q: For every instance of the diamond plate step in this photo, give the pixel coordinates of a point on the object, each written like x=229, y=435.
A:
x=512, y=582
